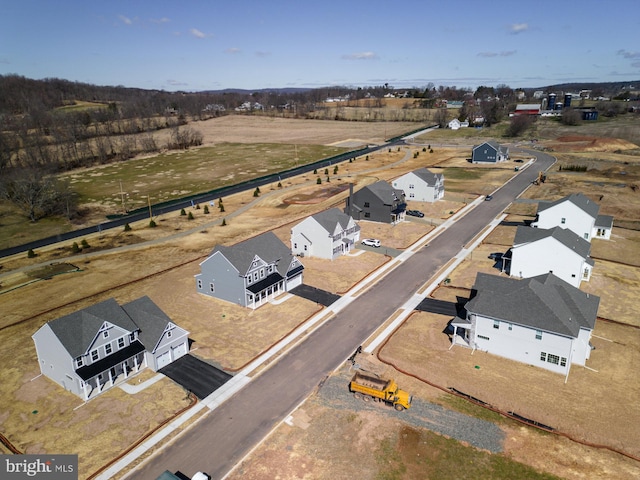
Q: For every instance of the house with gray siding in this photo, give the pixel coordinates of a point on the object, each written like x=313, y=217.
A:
x=557, y=250
x=327, y=234
x=88, y=351
x=541, y=321
x=489, y=152
x=421, y=185
x=250, y=273
x=378, y=202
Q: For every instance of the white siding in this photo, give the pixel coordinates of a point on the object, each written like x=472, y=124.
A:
x=567, y=215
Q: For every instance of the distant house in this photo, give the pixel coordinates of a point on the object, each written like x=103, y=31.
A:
x=421, y=185
x=489, y=152
x=541, y=321
x=327, y=234
x=527, y=109
x=378, y=202
x=251, y=272
x=87, y=351
x=537, y=251
x=454, y=124
x=576, y=212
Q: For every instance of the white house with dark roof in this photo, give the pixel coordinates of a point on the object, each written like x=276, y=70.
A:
x=421, y=185
x=560, y=251
x=576, y=212
x=489, y=152
x=88, y=351
x=327, y=234
x=541, y=321
x=250, y=273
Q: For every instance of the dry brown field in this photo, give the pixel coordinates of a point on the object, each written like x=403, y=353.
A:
x=38, y=416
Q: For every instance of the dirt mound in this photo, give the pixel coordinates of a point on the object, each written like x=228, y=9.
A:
x=579, y=143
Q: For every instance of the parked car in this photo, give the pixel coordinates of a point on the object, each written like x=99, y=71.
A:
x=371, y=242
x=488, y=198
x=415, y=213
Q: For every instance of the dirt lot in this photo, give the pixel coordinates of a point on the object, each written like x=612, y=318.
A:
x=38, y=416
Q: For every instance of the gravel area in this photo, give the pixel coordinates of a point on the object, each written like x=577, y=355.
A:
x=481, y=434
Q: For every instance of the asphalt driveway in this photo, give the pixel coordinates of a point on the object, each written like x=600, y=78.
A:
x=196, y=376
x=315, y=294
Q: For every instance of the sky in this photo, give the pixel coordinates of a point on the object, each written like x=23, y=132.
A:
x=191, y=45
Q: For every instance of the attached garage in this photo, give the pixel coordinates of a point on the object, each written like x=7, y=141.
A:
x=163, y=360
x=179, y=350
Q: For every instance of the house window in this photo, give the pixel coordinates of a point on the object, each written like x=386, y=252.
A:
x=169, y=333
x=563, y=362
x=551, y=358
x=411, y=195
x=108, y=348
x=586, y=236
x=255, y=276
x=121, y=342
x=305, y=249
x=510, y=326
x=543, y=357
x=483, y=337
x=295, y=245
x=262, y=273
x=105, y=334
x=79, y=362
x=94, y=355
x=271, y=266
x=212, y=288
x=199, y=284
x=411, y=185
x=563, y=221
x=538, y=334
x=367, y=215
x=496, y=324
x=132, y=336
x=366, y=204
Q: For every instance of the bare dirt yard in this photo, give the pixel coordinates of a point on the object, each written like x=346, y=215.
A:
x=328, y=438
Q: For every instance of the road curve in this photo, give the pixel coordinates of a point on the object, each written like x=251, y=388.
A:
x=222, y=438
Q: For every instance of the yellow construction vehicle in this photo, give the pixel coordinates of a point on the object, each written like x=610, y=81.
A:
x=367, y=387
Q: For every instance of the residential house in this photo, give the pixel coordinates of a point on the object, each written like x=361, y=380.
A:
x=541, y=321
x=421, y=185
x=378, y=202
x=576, y=212
x=489, y=152
x=557, y=250
x=251, y=272
x=327, y=234
x=87, y=351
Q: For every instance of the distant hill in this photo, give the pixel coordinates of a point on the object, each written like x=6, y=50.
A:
x=243, y=91
x=608, y=88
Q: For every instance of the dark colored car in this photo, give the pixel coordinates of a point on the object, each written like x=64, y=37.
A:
x=488, y=197
x=415, y=213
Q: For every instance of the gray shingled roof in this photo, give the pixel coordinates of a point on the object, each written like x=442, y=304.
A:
x=427, y=175
x=266, y=246
x=150, y=318
x=77, y=330
x=604, y=221
x=544, y=302
x=328, y=220
x=581, y=201
x=494, y=144
x=386, y=192
x=563, y=235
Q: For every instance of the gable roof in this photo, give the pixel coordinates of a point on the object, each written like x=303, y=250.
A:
x=385, y=192
x=544, y=302
x=565, y=236
x=426, y=175
x=266, y=246
x=151, y=320
x=578, y=199
x=492, y=143
x=604, y=221
x=329, y=219
x=78, y=330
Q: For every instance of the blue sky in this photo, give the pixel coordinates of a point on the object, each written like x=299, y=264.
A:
x=207, y=45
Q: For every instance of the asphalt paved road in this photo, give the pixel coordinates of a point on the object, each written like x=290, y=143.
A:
x=227, y=434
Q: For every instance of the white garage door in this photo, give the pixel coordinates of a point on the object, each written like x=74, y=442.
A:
x=179, y=351
x=163, y=360
x=294, y=282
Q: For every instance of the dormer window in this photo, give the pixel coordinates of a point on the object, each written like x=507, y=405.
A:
x=105, y=334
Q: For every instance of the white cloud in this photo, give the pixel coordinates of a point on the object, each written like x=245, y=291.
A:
x=125, y=20
x=506, y=53
x=518, y=28
x=360, y=56
x=627, y=54
x=197, y=33
x=160, y=20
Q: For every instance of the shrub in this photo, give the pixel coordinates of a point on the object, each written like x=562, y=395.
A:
x=424, y=149
x=206, y=210
x=182, y=212
x=335, y=170
x=152, y=224
x=75, y=248
x=315, y=171
x=279, y=184
x=190, y=216
x=31, y=253
x=197, y=206
x=127, y=227
x=84, y=243
x=256, y=192
x=224, y=222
